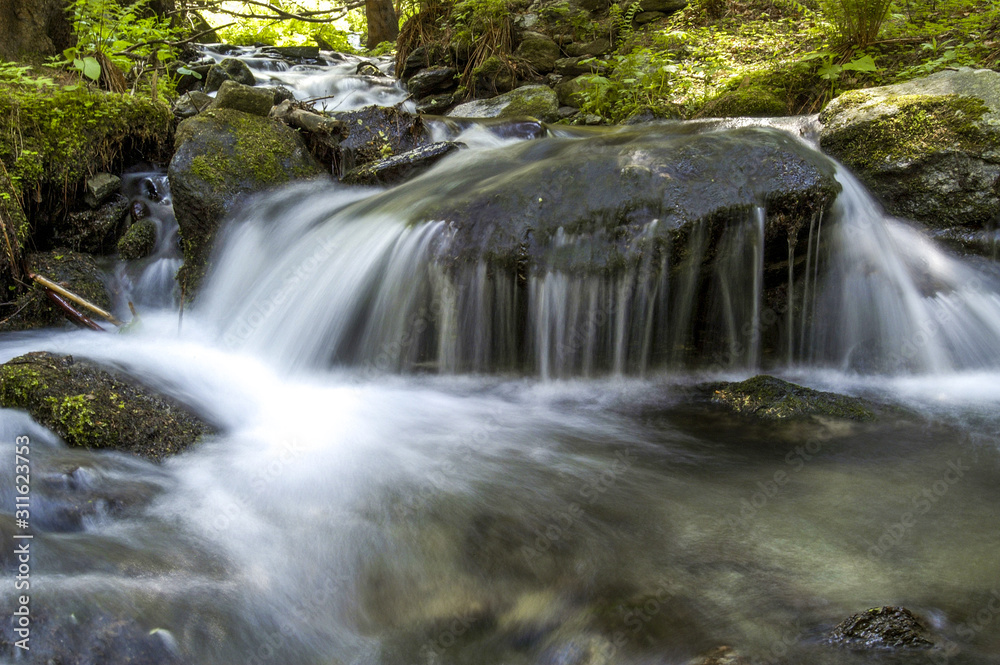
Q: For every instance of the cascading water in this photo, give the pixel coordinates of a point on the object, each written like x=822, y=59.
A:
x=376, y=513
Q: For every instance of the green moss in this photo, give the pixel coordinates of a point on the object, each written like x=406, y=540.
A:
x=18, y=383
x=139, y=241
x=751, y=101
x=915, y=127
x=773, y=399
x=78, y=420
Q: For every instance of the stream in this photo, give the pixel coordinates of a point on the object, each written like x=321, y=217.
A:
x=402, y=478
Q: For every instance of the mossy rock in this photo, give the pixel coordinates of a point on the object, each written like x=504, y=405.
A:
x=77, y=272
x=224, y=156
x=929, y=148
x=493, y=76
x=882, y=628
x=94, y=231
x=52, y=139
x=752, y=102
x=246, y=98
x=91, y=407
x=378, y=132
x=139, y=241
x=531, y=101
x=769, y=398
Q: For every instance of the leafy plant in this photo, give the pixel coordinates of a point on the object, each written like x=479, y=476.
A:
x=857, y=22
x=830, y=70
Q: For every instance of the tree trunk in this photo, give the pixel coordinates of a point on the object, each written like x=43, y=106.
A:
x=383, y=25
x=33, y=27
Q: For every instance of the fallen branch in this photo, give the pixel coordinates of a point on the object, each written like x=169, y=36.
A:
x=66, y=293
x=307, y=120
x=72, y=313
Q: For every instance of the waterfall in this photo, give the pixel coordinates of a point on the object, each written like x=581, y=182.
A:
x=348, y=278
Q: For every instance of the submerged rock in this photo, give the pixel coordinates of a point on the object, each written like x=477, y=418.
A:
x=91, y=407
x=77, y=272
x=882, y=628
x=533, y=101
x=398, y=168
x=769, y=398
x=223, y=156
x=929, y=148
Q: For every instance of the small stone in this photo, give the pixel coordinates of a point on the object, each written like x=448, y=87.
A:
x=139, y=241
x=191, y=104
x=432, y=80
x=229, y=69
x=769, y=398
x=436, y=104
x=599, y=46
x=245, y=98
x=100, y=187
x=368, y=69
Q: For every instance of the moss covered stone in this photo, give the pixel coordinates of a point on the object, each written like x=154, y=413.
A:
x=77, y=272
x=139, y=241
x=769, y=398
x=930, y=147
x=90, y=407
x=223, y=156
x=752, y=101
x=531, y=101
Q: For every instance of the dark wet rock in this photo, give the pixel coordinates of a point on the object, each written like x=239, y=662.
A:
x=493, y=77
x=280, y=93
x=929, y=148
x=229, y=69
x=418, y=59
x=401, y=167
x=139, y=209
x=222, y=157
x=91, y=406
x=308, y=54
x=191, y=104
x=882, y=628
x=77, y=272
x=532, y=101
x=436, y=104
x=94, y=231
x=245, y=98
x=539, y=52
x=139, y=241
x=88, y=636
x=646, y=114
x=70, y=497
x=769, y=398
x=432, y=80
x=368, y=69
x=592, y=49
x=100, y=187
x=376, y=132
x=681, y=181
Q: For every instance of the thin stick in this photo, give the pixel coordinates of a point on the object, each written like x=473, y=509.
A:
x=71, y=313
x=52, y=286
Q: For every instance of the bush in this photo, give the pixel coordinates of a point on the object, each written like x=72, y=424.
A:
x=857, y=22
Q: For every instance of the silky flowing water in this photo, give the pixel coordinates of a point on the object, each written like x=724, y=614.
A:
x=393, y=483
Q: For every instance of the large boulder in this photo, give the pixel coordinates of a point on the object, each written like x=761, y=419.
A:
x=89, y=406
x=223, y=156
x=929, y=148
x=533, y=101
x=657, y=185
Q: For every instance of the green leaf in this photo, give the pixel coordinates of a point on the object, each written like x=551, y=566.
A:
x=91, y=68
x=865, y=64
x=829, y=72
